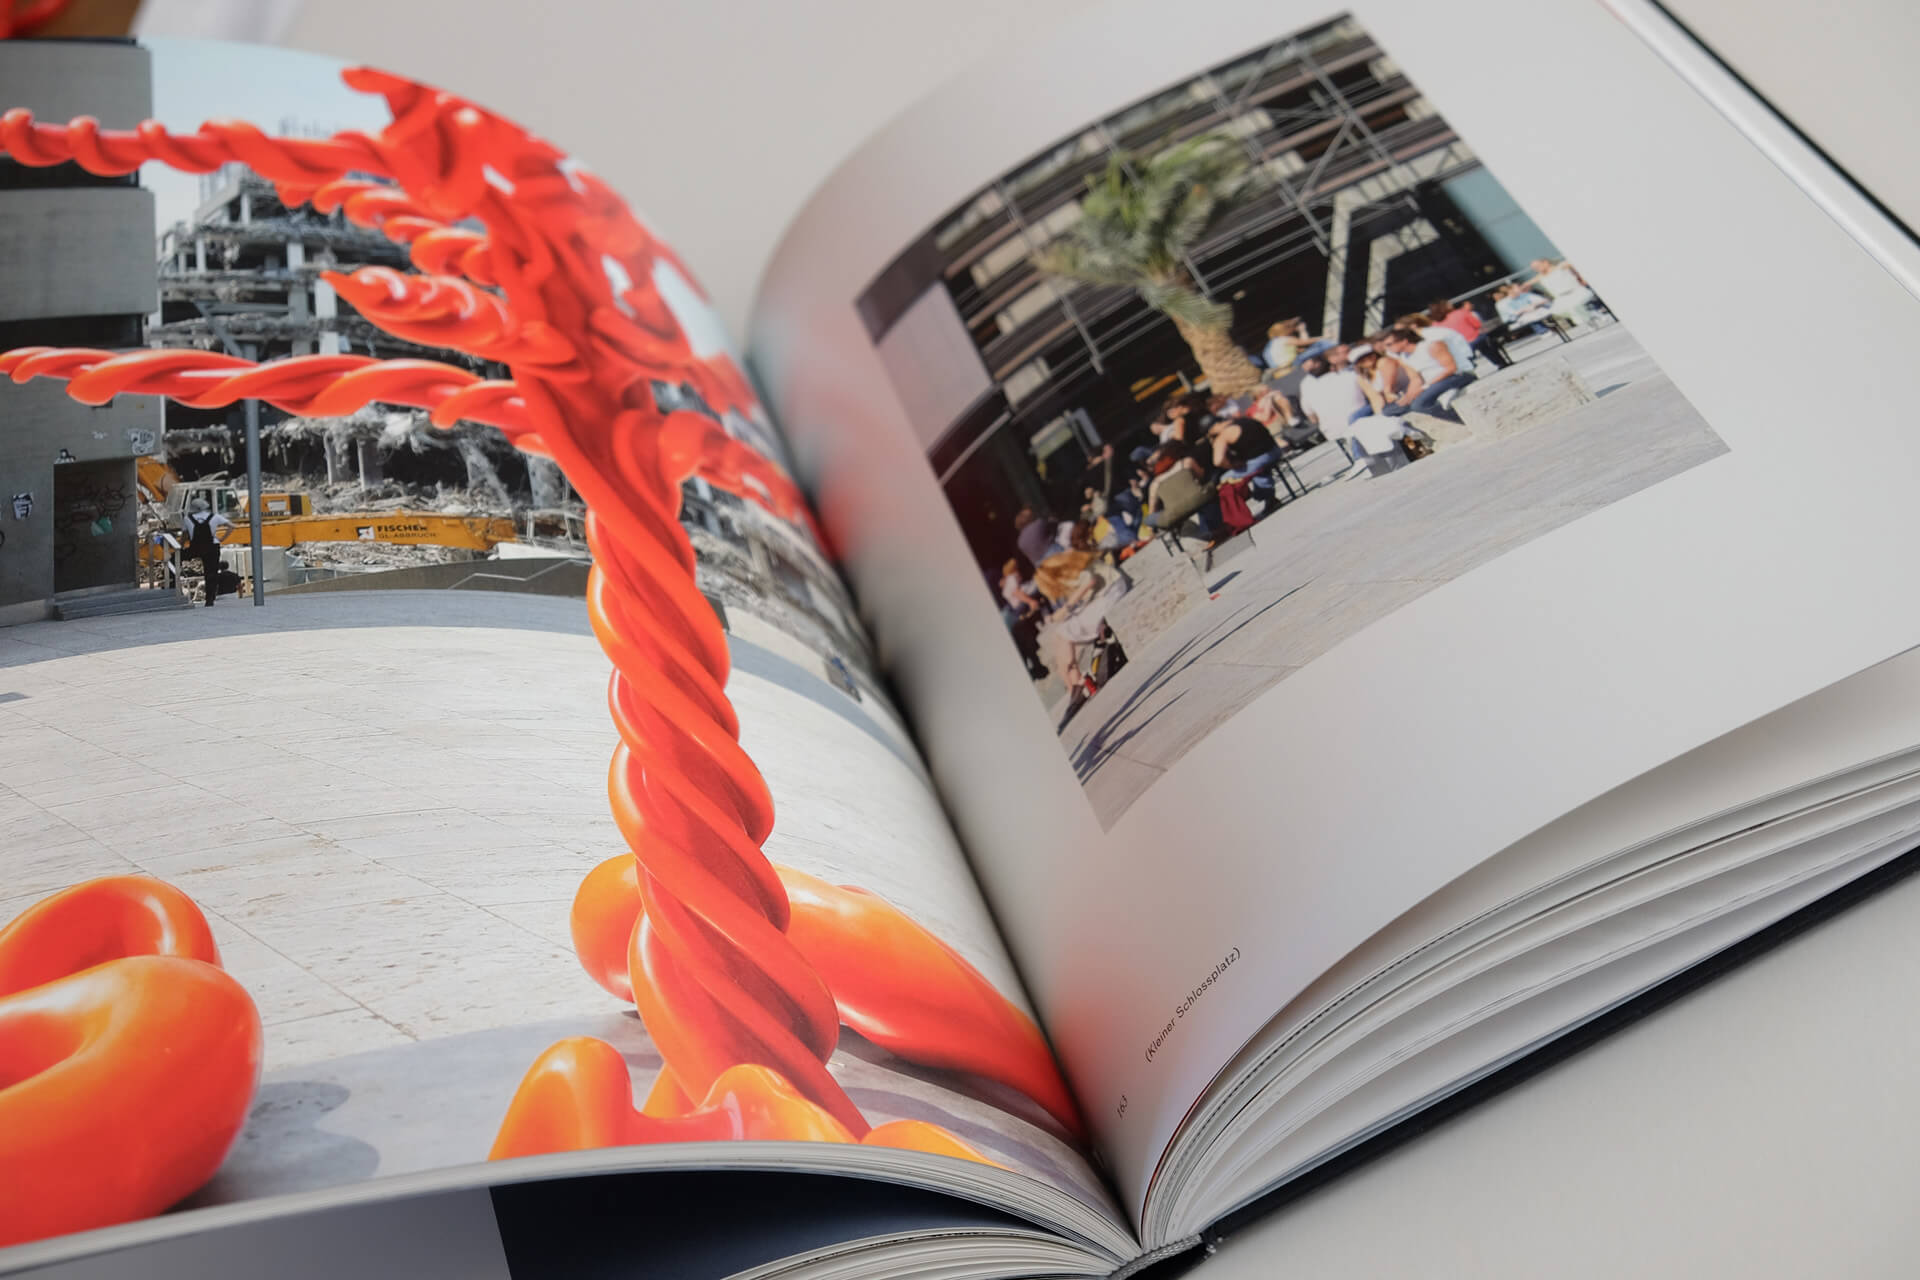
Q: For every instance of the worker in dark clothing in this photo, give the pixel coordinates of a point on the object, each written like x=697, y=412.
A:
x=203, y=529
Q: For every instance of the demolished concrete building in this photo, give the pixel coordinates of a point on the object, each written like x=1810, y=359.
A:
x=243, y=275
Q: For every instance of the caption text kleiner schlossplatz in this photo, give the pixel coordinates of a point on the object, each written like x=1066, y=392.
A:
x=1193, y=998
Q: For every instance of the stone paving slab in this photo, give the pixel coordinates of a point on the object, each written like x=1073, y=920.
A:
x=1350, y=552
x=340, y=779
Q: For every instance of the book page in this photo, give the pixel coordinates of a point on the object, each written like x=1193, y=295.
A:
x=1239, y=604
x=530, y=802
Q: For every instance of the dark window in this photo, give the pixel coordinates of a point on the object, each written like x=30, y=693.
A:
x=15, y=176
x=111, y=332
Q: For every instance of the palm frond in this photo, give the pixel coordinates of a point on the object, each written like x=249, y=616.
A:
x=1144, y=213
x=1089, y=263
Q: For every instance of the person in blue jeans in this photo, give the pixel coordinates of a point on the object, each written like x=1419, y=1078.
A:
x=1244, y=449
x=1438, y=367
x=1123, y=512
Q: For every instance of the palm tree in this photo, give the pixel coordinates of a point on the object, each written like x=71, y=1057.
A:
x=1138, y=222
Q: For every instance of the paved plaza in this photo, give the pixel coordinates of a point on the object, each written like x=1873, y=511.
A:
x=1351, y=552
x=384, y=802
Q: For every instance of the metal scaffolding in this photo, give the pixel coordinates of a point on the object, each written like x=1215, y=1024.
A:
x=1339, y=137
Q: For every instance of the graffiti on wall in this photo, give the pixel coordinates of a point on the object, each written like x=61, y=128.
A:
x=88, y=510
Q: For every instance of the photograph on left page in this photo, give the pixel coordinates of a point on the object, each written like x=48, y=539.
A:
x=528, y=787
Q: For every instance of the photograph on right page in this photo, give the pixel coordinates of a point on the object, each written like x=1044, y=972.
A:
x=1223, y=377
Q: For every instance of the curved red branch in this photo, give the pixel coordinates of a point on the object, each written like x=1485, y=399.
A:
x=308, y=386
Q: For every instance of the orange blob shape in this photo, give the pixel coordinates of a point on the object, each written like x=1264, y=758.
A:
x=131, y=1081
x=892, y=981
x=907, y=991
x=918, y=1135
x=577, y=1096
x=128, y=1056
x=605, y=909
x=97, y=921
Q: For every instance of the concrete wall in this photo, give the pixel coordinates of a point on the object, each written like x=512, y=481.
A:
x=83, y=249
x=37, y=422
x=77, y=252
x=110, y=80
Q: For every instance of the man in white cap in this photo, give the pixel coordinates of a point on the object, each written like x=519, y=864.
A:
x=202, y=531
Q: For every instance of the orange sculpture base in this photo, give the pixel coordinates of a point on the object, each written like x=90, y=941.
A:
x=130, y=1057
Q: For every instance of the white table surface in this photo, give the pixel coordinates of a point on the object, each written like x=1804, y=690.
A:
x=1766, y=1126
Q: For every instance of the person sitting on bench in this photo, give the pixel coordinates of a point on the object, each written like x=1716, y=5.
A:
x=1437, y=361
x=1078, y=621
x=1288, y=341
x=1243, y=449
x=1333, y=397
x=1521, y=309
x=1181, y=492
x=1465, y=321
x=1573, y=298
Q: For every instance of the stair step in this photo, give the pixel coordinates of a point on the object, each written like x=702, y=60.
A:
x=119, y=602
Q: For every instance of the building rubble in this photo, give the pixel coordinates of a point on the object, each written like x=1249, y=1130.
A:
x=244, y=275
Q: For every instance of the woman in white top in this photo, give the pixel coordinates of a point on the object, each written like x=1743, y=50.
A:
x=1017, y=591
x=1172, y=422
x=1288, y=341
x=1385, y=379
x=1457, y=346
x=1090, y=588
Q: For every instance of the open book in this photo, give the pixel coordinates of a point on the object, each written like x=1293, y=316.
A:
x=1285, y=573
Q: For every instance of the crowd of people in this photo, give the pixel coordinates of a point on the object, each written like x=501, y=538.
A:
x=1213, y=465
x=1216, y=464
x=1056, y=592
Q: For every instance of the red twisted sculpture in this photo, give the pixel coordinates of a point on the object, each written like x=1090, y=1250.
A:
x=560, y=289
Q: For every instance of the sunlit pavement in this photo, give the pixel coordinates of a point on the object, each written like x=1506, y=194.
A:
x=384, y=802
x=1351, y=552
